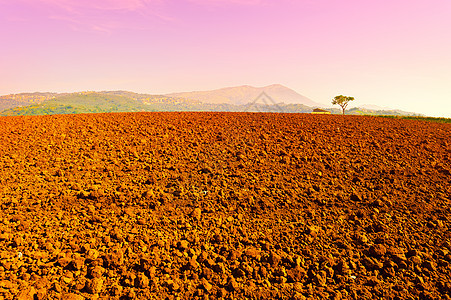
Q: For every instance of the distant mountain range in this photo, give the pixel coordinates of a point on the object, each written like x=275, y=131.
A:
x=242, y=95
x=374, y=107
x=272, y=98
x=24, y=99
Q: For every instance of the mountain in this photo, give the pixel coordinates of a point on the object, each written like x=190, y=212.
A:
x=381, y=112
x=108, y=101
x=245, y=94
x=373, y=112
x=84, y=102
x=272, y=98
x=24, y=99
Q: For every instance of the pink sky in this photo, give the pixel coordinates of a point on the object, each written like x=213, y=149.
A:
x=390, y=53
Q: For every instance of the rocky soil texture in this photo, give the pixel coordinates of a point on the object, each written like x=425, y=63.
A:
x=224, y=205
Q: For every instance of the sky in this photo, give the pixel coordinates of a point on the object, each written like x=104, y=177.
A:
x=390, y=53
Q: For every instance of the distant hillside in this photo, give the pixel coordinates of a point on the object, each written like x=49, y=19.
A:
x=111, y=101
x=24, y=99
x=380, y=112
x=374, y=107
x=373, y=112
x=273, y=98
x=245, y=94
x=79, y=103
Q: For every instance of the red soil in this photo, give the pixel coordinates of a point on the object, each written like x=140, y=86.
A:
x=224, y=205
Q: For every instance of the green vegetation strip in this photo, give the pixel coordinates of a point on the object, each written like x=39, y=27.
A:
x=429, y=119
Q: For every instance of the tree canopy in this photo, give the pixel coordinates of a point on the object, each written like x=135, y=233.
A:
x=343, y=101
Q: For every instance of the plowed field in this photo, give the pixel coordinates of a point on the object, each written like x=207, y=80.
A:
x=224, y=205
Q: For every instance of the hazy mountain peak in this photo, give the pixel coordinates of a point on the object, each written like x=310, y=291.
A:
x=276, y=85
x=244, y=94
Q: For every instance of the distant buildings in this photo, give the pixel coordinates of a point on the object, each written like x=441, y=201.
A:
x=320, y=111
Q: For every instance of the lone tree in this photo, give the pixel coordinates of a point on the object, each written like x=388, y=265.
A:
x=342, y=101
